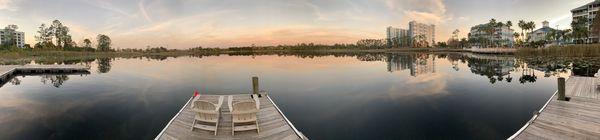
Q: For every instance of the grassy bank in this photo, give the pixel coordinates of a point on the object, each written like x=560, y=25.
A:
x=592, y=50
x=60, y=57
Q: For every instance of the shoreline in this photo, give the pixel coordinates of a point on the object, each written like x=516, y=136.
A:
x=23, y=56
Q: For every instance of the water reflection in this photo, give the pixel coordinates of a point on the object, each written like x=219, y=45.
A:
x=413, y=95
x=104, y=64
x=493, y=67
x=417, y=63
x=14, y=81
x=497, y=68
x=55, y=80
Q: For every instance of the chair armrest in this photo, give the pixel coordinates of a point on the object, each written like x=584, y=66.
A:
x=244, y=112
x=206, y=111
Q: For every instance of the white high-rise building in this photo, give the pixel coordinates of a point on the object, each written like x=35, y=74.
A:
x=587, y=11
x=426, y=30
x=396, y=35
x=20, y=37
x=396, y=32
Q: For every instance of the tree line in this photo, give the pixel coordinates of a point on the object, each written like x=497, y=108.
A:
x=56, y=37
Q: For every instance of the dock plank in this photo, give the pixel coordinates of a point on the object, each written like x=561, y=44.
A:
x=578, y=118
x=272, y=124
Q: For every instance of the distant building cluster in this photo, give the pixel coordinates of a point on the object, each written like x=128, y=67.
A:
x=417, y=35
x=20, y=37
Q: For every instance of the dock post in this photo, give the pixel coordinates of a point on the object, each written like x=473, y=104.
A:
x=561, y=89
x=255, y=85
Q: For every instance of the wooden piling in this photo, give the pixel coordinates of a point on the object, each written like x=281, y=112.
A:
x=561, y=89
x=255, y=85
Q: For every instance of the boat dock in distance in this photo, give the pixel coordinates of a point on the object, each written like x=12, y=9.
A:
x=573, y=112
x=269, y=123
x=7, y=71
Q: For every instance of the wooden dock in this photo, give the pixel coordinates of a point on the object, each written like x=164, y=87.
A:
x=272, y=123
x=577, y=118
x=7, y=71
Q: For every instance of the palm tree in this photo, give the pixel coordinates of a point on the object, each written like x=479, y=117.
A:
x=596, y=26
x=496, y=41
x=509, y=24
x=516, y=35
x=580, y=29
x=565, y=35
x=530, y=26
x=491, y=29
x=522, y=25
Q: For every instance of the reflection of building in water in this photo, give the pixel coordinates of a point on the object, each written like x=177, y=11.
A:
x=423, y=64
x=494, y=69
x=399, y=62
x=417, y=63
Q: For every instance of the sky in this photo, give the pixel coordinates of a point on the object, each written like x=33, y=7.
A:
x=180, y=24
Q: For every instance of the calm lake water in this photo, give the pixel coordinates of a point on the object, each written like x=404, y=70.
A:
x=361, y=96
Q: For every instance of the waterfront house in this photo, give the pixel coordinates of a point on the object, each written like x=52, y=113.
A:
x=541, y=33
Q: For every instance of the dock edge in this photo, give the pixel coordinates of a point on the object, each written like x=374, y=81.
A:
x=172, y=119
x=534, y=116
x=288, y=121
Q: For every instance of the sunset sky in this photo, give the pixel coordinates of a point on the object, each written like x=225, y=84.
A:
x=225, y=23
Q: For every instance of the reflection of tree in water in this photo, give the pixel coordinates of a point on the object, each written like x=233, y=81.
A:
x=104, y=65
x=371, y=57
x=15, y=81
x=55, y=80
x=494, y=69
x=553, y=65
x=527, y=75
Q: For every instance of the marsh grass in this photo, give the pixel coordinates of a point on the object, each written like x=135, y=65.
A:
x=591, y=50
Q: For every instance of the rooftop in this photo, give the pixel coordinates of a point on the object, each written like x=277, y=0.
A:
x=583, y=7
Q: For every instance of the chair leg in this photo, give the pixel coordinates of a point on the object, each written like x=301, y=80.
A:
x=217, y=124
x=257, y=128
x=193, y=124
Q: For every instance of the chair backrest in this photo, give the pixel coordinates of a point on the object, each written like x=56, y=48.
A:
x=204, y=105
x=244, y=106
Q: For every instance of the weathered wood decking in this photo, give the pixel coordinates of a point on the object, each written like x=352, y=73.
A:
x=578, y=118
x=272, y=123
x=7, y=71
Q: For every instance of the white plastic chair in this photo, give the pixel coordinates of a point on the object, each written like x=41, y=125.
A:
x=207, y=113
x=244, y=115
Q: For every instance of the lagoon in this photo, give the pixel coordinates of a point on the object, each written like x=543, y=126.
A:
x=326, y=96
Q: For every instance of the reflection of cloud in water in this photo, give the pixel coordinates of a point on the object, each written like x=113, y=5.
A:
x=431, y=84
x=37, y=114
x=50, y=111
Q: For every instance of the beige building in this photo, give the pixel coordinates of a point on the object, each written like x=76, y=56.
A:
x=396, y=36
x=427, y=31
x=20, y=36
x=587, y=11
x=502, y=35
